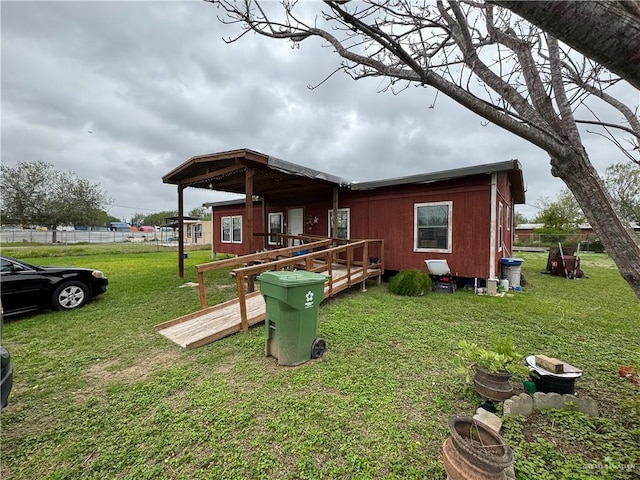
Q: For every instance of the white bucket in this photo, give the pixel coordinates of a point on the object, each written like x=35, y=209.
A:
x=504, y=284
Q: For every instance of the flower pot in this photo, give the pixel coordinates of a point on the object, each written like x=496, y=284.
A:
x=474, y=451
x=494, y=386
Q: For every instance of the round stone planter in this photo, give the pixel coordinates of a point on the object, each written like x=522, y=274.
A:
x=494, y=386
x=475, y=452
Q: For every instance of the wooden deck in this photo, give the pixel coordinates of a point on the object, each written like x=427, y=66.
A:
x=213, y=323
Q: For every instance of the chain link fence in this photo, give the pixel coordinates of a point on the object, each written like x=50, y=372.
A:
x=84, y=236
x=588, y=241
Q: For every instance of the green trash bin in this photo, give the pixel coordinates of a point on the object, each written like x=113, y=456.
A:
x=291, y=324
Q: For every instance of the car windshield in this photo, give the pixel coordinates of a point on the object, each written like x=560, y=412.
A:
x=8, y=263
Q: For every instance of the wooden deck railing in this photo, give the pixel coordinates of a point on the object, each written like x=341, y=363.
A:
x=355, y=257
x=260, y=257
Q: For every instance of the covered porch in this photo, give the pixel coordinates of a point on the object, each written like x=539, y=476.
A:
x=260, y=178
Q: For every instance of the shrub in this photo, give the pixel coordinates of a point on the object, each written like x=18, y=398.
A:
x=410, y=283
x=591, y=246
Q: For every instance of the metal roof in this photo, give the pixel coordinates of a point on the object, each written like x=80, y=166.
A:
x=512, y=167
x=225, y=203
x=273, y=177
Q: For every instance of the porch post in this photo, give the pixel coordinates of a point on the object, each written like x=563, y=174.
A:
x=248, y=185
x=265, y=223
x=248, y=188
x=335, y=212
x=493, y=228
x=213, y=235
x=180, y=231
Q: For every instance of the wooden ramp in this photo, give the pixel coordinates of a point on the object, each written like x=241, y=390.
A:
x=213, y=323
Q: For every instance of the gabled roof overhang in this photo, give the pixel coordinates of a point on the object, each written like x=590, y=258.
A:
x=272, y=177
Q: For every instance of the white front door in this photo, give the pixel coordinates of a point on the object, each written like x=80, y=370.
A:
x=295, y=223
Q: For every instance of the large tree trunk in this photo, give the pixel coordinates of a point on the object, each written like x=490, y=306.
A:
x=607, y=31
x=580, y=176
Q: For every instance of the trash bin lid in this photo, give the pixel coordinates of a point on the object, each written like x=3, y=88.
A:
x=511, y=261
x=295, y=278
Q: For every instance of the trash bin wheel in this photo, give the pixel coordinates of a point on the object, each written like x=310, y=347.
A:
x=318, y=347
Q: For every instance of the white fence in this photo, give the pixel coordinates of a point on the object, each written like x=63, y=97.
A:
x=85, y=236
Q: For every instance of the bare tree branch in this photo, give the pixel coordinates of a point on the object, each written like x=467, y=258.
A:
x=611, y=35
x=489, y=61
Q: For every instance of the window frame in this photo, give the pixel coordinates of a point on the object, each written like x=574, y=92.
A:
x=500, y=226
x=270, y=233
x=330, y=222
x=231, y=229
x=416, y=227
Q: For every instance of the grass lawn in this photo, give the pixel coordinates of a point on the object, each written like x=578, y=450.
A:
x=98, y=394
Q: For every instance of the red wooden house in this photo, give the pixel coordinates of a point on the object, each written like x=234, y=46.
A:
x=463, y=215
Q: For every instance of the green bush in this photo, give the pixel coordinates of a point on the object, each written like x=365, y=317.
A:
x=591, y=246
x=410, y=283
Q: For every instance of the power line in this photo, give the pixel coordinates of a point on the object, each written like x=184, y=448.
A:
x=138, y=208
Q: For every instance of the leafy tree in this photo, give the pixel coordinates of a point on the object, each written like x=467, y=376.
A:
x=519, y=218
x=34, y=193
x=138, y=219
x=24, y=192
x=562, y=214
x=201, y=213
x=493, y=63
x=158, y=218
x=623, y=182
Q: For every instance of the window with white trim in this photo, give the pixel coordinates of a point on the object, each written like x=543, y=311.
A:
x=432, y=227
x=276, y=225
x=232, y=229
x=344, y=222
x=500, y=227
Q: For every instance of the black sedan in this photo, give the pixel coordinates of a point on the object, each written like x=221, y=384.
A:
x=27, y=288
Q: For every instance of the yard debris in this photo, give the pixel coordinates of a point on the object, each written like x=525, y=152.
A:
x=188, y=284
x=630, y=373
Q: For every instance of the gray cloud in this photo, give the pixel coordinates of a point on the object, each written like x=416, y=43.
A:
x=155, y=84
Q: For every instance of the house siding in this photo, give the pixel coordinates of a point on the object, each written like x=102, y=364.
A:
x=388, y=213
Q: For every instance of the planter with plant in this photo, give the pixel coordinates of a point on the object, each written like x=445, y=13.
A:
x=492, y=368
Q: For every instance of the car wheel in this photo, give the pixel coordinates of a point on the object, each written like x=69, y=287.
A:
x=70, y=295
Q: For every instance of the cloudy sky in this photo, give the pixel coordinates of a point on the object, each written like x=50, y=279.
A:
x=123, y=92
